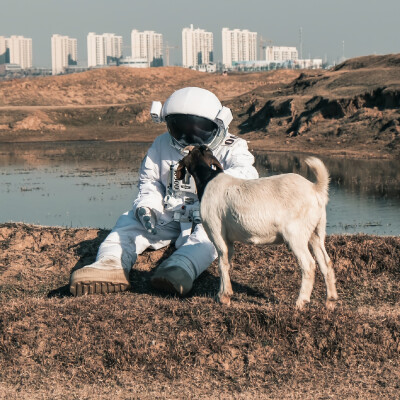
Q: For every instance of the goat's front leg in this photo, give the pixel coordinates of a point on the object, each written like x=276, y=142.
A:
x=225, y=289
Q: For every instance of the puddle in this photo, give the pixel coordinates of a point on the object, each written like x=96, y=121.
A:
x=89, y=184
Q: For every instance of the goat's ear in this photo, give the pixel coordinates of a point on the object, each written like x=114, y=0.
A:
x=210, y=158
x=180, y=171
x=216, y=164
x=188, y=148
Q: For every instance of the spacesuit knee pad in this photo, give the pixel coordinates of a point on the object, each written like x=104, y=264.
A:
x=183, y=262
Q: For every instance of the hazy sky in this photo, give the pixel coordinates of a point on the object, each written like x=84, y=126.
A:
x=365, y=26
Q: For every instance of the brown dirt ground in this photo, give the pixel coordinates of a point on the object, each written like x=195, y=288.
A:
x=352, y=110
x=143, y=344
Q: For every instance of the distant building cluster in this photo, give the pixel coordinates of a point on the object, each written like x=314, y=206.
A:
x=239, y=51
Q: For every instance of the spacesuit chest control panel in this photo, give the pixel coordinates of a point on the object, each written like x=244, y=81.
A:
x=181, y=198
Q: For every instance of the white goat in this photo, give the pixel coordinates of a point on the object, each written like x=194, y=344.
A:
x=269, y=210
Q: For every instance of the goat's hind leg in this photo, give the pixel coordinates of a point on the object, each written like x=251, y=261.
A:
x=326, y=267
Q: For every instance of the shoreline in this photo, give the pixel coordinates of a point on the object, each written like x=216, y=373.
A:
x=255, y=145
x=27, y=225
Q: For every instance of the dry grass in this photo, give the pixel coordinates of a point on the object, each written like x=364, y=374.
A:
x=142, y=344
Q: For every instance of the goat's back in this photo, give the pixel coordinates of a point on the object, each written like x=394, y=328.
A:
x=263, y=207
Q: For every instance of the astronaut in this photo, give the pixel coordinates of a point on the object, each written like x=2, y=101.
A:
x=167, y=210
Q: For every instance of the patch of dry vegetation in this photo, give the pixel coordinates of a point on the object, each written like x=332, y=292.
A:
x=142, y=344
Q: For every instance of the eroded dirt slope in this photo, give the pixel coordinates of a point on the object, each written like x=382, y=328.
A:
x=353, y=107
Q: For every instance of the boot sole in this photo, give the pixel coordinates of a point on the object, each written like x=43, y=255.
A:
x=96, y=281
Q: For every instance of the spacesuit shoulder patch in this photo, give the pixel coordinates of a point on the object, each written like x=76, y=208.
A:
x=230, y=140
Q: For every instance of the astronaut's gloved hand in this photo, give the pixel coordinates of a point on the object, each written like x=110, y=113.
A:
x=148, y=219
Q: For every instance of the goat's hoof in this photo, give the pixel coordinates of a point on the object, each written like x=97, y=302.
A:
x=300, y=303
x=224, y=299
x=330, y=304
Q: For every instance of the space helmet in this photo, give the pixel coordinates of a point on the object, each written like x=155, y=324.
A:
x=194, y=116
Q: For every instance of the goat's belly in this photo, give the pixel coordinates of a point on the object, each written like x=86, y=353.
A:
x=250, y=236
x=272, y=239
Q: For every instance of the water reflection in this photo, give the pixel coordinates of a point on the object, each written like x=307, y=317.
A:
x=379, y=178
x=92, y=183
x=68, y=184
x=364, y=194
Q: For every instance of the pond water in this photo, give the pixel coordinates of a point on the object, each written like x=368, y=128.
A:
x=89, y=184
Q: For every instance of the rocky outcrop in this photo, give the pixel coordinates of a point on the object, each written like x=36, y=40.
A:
x=359, y=104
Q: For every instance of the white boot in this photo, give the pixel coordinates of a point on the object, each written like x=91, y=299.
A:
x=103, y=276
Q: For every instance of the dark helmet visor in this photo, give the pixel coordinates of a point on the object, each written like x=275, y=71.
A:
x=191, y=129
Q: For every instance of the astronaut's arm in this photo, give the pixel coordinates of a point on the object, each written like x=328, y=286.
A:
x=151, y=190
x=239, y=162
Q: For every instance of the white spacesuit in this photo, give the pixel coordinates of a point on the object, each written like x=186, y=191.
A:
x=167, y=210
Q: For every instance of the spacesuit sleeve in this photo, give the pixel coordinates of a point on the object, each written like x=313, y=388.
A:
x=239, y=161
x=151, y=190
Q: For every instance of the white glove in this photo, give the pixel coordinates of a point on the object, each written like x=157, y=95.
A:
x=148, y=219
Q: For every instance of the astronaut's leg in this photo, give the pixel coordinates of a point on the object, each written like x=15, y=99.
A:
x=193, y=256
x=115, y=257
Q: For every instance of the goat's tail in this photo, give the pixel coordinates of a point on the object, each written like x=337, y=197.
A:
x=322, y=175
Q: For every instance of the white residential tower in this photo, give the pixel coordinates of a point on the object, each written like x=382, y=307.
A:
x=197, y=47
x=19, y=49
x=147, y=46
x=102, y=49
x=281, y=54
x=64, y=52
x=238, y=45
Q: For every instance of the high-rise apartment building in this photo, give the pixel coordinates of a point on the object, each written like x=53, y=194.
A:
x=197, y=47
x=16, y=50
x=103, y=49
x=238, y=45
x=113, y=45
x=4, y=51
x=64, y=53
x=281, y=54
x=147, y=46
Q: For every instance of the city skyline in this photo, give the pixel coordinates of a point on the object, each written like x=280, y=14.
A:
x=365, y=27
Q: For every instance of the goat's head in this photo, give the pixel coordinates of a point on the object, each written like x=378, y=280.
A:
x=197, y=154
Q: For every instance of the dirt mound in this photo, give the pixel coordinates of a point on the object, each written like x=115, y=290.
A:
x=120, y=85
x=145, y=345
x=99, y=86
x=38, y=121
x=383, y=61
